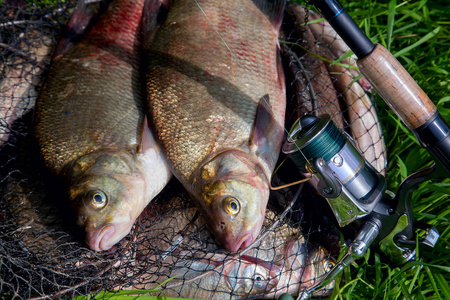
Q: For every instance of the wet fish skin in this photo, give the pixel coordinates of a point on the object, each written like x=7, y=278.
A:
x=247, y=276
x=117, y=176
x=322, y=264
x=314, y=262
x=91, y=128
x=203, y=109
x=301, y=267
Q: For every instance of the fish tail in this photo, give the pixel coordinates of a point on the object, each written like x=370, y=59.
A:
x=273, y=9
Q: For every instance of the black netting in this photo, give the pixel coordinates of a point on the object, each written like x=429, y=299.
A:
x=43, y=255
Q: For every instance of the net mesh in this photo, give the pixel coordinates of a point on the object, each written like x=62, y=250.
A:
x=42, y=253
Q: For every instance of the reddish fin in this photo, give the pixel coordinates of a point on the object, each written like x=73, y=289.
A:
x=273, y=9
x=280, y=71
x=154, y=13
x=264, y=124
x=86, y=13
x=146, y=140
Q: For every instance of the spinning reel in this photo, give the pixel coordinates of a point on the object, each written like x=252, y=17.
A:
x=355, y=190
x=351, y=185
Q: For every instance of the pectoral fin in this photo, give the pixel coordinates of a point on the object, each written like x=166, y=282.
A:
x=84, y=16
x=265, y=124
x=147, y=139
x=267, y=134
x=154, y=13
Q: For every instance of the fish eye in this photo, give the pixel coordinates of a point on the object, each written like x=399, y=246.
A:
x=97, y=199
x=231, y=205
x=328, y=264
x=259, y=279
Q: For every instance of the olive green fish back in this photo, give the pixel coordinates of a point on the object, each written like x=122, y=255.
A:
x=201, y=99
x=92, y=97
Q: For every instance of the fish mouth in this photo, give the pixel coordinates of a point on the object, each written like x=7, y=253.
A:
x=242, y=243
x=100, y=239
x=234, y=243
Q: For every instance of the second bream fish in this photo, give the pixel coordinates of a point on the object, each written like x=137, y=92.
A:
x=216, y=96
x=176, y=250
x=91, y=129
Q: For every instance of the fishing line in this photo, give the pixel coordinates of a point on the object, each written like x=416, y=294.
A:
x=246, y=74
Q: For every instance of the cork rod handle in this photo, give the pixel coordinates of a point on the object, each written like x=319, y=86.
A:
x=397, y=87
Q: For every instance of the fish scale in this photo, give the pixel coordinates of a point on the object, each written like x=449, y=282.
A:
x=191, y=72
x=282, y=262
x=88, y=120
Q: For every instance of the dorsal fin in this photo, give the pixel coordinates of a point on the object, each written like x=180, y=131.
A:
x=273, y=9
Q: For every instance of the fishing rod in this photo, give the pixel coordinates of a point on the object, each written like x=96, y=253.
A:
x=352, y=187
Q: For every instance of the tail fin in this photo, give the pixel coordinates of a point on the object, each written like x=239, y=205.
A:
x=273, y=9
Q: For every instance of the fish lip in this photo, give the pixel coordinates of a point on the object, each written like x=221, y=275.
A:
x=244, y=241
x=98, y=239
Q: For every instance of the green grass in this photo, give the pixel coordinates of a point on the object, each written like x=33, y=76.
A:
x=418, y=35
x=131, y=294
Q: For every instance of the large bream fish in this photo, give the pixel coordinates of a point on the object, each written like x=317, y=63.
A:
x=217, y=99
x=90, y=126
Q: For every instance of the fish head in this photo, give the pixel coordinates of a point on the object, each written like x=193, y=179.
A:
x=107, y=191
x=318, y=264
x=304, y=265
x=233, y=193
x=251, y=276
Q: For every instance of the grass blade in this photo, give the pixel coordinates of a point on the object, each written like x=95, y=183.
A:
x=443, y=284
x=426, y=38
x=390, y=23
x=433, y=281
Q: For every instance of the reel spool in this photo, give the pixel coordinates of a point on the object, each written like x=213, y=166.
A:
x=350, y=184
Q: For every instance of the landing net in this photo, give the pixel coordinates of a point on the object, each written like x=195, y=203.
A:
x=42, y=253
